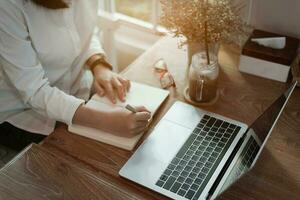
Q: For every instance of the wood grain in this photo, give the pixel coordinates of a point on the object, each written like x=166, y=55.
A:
x=242, y=97
x=103, y=160
x=277, y=172
x=38, y=174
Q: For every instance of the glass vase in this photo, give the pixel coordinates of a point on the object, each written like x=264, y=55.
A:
x=202, y=82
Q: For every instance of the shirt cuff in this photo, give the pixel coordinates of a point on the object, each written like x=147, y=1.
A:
x=74, y=104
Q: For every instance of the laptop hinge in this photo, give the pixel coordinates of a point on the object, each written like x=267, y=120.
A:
x=225, y=167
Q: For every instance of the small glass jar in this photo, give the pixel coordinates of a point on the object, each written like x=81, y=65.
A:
x=203, y=78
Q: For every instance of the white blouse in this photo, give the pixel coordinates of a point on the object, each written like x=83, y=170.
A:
x=43, y=52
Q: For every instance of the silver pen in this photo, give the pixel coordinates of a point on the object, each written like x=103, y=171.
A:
x=130, y=108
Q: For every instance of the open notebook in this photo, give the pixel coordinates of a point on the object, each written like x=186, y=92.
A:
x=139, y=94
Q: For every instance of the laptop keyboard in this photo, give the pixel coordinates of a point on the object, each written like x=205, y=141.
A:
x=248, y=155
x=196, y=161
x=243, y=163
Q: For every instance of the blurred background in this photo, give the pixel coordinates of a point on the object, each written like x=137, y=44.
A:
x=129, y=27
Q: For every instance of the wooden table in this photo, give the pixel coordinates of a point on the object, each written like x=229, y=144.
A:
x=242, y=97
x=39, y=174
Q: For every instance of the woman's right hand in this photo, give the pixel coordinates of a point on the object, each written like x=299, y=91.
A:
x=124, y=123
x=118, y=121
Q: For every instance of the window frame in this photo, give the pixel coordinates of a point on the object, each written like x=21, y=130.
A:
x=125, y=20
x=152, y=26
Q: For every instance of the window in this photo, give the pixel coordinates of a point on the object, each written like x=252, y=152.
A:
x=128, y=28
x=140, y=9
x=139, y=12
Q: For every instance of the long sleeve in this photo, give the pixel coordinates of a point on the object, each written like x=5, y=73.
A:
x=94, y=46
x=21, y=65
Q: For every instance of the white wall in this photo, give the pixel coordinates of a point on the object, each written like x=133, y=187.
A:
x=244, y=7
x=279, y=16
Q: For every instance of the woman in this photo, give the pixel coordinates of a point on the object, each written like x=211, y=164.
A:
x=49, y=59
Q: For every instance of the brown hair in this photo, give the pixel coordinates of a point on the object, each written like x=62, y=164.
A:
x=51, y=4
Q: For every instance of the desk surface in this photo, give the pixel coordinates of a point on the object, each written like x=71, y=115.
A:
x=242, y=97
x=39, y=174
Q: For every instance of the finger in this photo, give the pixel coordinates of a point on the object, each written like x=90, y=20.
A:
x=125, y=83
x=141, y=124
x=99, y=90
x=141, y=109
x=138, y=130
x=128, y=85
x=110, y=92
x=143, y=116
x=119, y=87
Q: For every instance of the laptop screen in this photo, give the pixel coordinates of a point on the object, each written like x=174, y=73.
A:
x=262, y=128
x=264, y=124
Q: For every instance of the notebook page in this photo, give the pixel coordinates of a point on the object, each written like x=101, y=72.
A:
x=139, y=94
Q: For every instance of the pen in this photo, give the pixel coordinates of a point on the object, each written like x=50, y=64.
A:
x=130, y=108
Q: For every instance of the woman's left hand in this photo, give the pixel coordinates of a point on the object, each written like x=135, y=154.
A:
x=110, y=83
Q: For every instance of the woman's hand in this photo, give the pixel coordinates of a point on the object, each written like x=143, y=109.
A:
x=118, y=121
x=109, y=83
x=125, y=123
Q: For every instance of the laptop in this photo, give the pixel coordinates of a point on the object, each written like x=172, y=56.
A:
x=195, y=154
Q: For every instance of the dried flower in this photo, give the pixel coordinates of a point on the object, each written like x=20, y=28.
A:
x=202, y=21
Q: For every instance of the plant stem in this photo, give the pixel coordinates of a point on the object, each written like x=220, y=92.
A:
x=206, y=36
x=206, y=44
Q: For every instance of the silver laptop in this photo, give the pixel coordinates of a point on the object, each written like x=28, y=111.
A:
x=195, y=154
